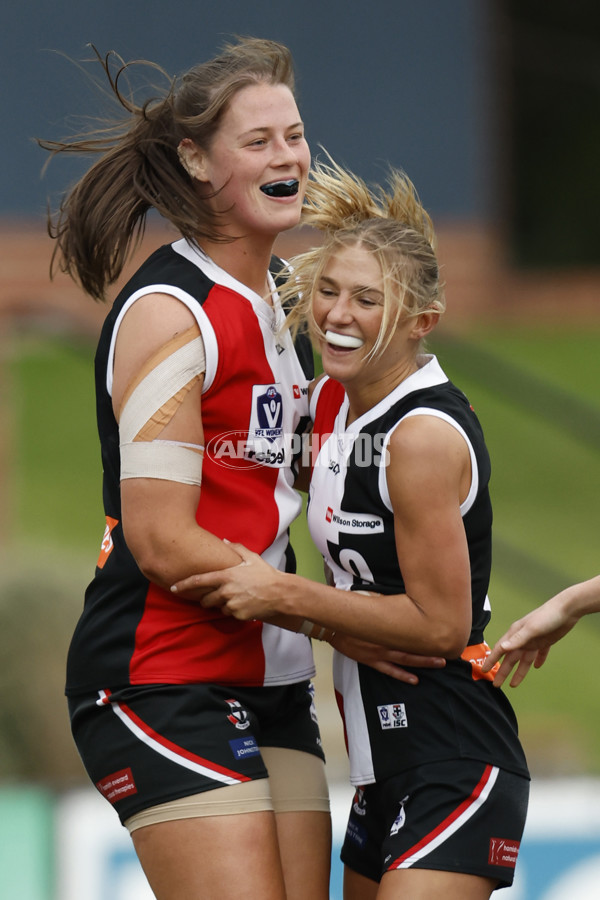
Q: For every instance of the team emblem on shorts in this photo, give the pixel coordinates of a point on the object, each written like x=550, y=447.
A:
x=400, y=818
x=393, y=715
x=238, y=716
x=359, y=804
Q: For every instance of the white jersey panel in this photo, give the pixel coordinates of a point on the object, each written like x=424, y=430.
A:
x=288, y=656
x=347, y=683
x=426, y=411
x=206, y=329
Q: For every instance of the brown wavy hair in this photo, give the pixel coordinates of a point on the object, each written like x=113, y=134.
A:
x=102, y=218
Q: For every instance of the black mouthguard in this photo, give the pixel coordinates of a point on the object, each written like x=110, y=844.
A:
x=281, y=188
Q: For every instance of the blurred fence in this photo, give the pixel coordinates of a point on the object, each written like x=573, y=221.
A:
x=71, y=846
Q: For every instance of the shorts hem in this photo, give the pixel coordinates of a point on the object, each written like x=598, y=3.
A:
x=503, y=880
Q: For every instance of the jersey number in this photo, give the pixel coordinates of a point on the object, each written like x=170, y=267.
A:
x=352, y=561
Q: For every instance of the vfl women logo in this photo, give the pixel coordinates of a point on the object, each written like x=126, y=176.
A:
x=264, y=443
x=270, y=413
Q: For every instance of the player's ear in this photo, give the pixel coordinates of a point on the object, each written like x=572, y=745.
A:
x=193, y=159
x=423, y=324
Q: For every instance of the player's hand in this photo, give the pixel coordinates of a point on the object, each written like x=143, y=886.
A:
x=389, y=662
x=246, y=591
x=528, y=640
x=521, y=659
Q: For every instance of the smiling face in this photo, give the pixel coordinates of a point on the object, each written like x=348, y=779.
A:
x=258, y=163
x=348, y=307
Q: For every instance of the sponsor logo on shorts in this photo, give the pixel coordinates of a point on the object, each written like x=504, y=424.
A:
x=238, y=715
x=244, y=747
x=356, y=834
x=117, y=786
x=503, y=852
x=393, y=715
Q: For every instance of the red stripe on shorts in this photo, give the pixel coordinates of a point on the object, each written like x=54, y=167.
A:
x=220, y=773
x=450, y=824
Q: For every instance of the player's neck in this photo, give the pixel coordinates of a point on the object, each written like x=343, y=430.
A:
x=246, y=260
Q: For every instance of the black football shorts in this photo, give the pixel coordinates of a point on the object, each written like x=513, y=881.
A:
x=455, y=816
x=148, y=745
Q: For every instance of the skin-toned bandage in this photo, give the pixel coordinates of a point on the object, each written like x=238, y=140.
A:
x=296, y=783
x=150, y=403
x=297, y=779
x=250, y=796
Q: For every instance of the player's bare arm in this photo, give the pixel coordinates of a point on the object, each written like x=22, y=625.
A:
x=400, y=622
x=528, y=640
x=169, y=545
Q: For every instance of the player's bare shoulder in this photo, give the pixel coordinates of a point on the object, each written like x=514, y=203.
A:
x=148, y=325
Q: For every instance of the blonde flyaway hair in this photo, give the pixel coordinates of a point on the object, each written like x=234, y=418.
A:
x=390, y=222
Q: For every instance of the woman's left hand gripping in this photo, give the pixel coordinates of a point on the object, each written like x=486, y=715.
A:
x=246, y=591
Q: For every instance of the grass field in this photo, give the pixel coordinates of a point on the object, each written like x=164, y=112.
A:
x=536, y=394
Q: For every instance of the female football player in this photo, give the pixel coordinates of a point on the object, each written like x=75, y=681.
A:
x=200, y=730
x=399, y=508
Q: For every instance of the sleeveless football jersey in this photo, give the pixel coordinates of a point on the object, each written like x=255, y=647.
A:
x=453, y=712
x=254, y=405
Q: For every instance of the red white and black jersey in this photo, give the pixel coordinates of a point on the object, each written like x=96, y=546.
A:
x=453, y=712
x=254, y=405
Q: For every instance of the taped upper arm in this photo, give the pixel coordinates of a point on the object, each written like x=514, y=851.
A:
x=148, y=325
x=162, y=375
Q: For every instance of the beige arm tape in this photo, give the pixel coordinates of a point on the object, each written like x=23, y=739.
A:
x=151, y=402
x=320, y=634
x=165, y=460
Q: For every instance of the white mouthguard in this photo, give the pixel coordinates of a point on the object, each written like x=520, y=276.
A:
x=343, y=340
